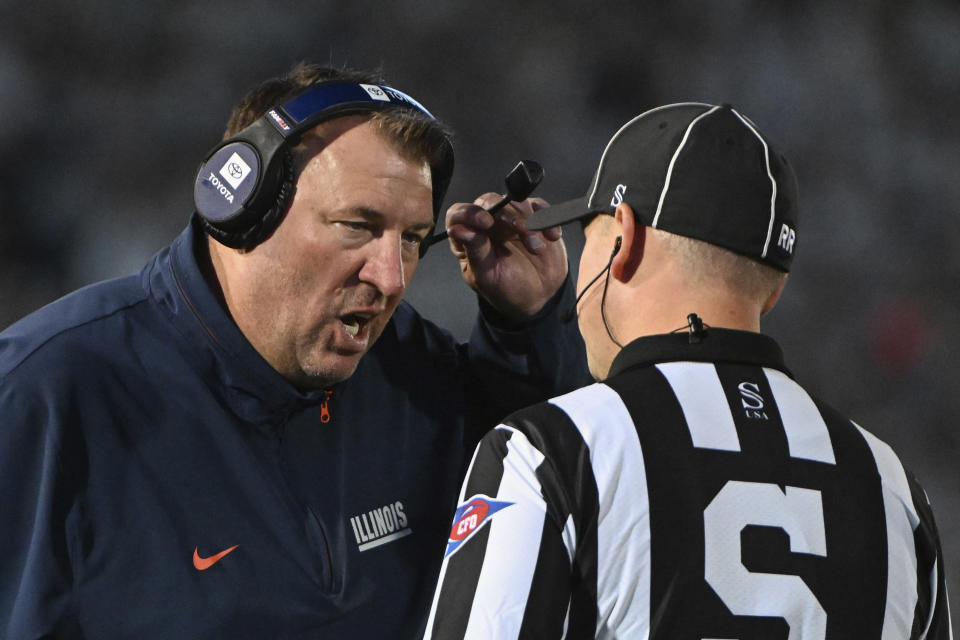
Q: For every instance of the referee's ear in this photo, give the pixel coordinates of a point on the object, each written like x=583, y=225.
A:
x=774, y=297
x=633, y=241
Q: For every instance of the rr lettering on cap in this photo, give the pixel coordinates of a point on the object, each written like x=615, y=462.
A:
x=787, y=237
x=618, y=194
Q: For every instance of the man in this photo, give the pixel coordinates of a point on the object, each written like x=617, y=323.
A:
x=255, y=437
x=698, y=491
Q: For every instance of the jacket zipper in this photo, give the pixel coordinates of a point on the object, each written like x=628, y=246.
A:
x=325, y=408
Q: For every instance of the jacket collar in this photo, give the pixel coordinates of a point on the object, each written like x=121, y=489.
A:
x=715, y=345
x=254, y=389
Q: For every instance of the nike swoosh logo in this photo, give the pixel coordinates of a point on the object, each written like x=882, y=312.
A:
x=202, y=564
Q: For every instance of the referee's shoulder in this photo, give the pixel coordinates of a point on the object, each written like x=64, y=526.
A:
x=552, y=419
x=893, y=472
x=839, y=421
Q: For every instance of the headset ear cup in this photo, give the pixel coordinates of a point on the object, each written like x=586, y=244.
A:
x=271, y=219
x=263, y=225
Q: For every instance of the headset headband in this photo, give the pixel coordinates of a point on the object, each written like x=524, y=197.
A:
x=244, y=185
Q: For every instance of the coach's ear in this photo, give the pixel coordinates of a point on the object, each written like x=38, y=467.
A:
x=633, y=241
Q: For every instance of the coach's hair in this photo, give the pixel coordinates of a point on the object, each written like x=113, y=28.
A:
x=413, y=134
x=708, y=266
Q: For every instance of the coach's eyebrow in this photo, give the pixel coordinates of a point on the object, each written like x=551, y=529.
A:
x=378, y=217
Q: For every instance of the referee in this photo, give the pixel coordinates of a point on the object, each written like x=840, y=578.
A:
x=697, y=491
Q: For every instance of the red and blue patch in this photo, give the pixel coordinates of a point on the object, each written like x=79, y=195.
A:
x=279, y=119
x=470, y=518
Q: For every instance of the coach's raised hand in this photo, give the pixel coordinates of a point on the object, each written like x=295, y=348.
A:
x=515, y=270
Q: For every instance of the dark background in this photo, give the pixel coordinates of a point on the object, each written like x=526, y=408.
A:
x=106, y=109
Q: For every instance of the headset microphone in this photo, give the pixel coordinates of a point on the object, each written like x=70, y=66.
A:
x=520, y=183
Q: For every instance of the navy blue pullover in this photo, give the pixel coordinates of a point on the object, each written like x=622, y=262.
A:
x=142, y=436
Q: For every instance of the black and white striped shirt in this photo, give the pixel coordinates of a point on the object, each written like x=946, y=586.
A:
x=698, y=493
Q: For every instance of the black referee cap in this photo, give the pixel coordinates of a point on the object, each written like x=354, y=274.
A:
x=696, y=170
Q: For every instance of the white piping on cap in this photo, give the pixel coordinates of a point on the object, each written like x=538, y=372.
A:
x=596, y=176
x=773, y=182
x=673, y=160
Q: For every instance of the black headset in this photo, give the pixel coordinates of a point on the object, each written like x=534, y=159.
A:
x=244, y=185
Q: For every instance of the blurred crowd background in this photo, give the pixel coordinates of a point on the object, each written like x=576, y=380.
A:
x=106, y=109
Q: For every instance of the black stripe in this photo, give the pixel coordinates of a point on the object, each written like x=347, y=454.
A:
x=763, y=440
x=463, y=569
x=680, y=599
x=940, y=624
x=550, y=589
x=849, y=583
x=570, y=489
x=927, y=547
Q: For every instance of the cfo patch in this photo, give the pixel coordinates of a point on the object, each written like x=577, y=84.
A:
x=470, y=518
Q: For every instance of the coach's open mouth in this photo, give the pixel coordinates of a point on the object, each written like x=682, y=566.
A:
x=354, y=323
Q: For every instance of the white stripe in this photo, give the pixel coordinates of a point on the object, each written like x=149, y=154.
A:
x=933, y=586
x=385, y=539
x=807, y=434
x=946, y=600
x=673, y=160
x=566, y=622
x=512, y=547
x=433, y=605
x=934, y=578
x=901, y=554
x=603, y=158
x=569, y=536
x=773, y=182
x=623, y=526
x=935, y=590
x=700, y=394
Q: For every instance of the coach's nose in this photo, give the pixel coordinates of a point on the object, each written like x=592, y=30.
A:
x=384, y=266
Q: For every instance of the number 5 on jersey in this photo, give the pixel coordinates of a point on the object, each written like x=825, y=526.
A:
x=797, y=511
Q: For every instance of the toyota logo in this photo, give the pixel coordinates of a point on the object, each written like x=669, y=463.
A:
x=235, y=170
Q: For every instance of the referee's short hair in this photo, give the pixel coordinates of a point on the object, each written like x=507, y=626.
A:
x=707, y=266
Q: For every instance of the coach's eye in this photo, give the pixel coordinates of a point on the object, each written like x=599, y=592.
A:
x=412, y=242
x=355, y=227
x=413, y=239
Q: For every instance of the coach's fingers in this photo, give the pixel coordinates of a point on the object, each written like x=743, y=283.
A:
x=552, y=234
x=514, y=219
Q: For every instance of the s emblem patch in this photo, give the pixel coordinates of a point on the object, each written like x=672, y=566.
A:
x=470, y=518
x=376, y=92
